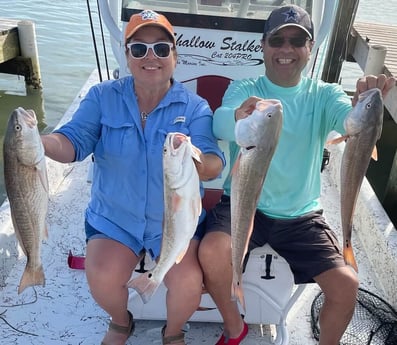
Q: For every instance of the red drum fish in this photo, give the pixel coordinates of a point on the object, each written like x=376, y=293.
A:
x=257, y=135
x=182, y=208
x=26, y=183
x=363, y=126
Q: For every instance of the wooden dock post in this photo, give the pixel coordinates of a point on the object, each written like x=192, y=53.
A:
x=18, y=51
x=375, y=60
x=28, y=44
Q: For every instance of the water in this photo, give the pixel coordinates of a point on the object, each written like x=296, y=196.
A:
x=66, y=51
x=67, y=55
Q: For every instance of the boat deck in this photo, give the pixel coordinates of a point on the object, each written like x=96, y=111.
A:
x=63, y=312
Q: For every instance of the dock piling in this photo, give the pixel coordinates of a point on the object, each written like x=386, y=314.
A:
x=28, y=44
x=375, y=60
x=18, y=51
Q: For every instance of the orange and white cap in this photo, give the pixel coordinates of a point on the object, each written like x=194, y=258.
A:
x=148, y=17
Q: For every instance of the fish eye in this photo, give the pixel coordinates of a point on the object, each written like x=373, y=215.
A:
x=18, y=127
x=368, y=105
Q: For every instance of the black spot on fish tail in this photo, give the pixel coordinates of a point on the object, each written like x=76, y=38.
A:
x=200, y=308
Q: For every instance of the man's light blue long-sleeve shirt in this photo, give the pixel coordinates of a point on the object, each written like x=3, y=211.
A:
x=311, y=110
x=127, y=190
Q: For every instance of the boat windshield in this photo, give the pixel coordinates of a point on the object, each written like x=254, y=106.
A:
x=255, y=9
x=215, y=37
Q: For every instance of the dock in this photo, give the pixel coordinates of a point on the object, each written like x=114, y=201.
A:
x=18, y=51
x=383, y=35
x=9, y=41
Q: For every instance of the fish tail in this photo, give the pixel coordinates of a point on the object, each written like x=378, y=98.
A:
x=349, y=257
x=145, y=285
x=238, y=293
x=31, y=277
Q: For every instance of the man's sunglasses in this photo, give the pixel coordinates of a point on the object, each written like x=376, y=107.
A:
x=278, y=41
x=161, y=50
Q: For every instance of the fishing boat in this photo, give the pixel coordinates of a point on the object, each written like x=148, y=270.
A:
x=217, y=41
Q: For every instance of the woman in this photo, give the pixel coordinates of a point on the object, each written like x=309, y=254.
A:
x=124, y=124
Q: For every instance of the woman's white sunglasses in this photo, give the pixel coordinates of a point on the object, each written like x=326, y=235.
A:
x=139, y=50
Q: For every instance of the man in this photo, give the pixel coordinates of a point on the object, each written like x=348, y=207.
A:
x=289, y=215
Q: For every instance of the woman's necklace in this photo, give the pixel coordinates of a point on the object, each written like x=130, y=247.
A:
x=144, y=116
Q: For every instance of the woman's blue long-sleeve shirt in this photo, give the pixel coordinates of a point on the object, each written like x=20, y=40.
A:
x=127, y=190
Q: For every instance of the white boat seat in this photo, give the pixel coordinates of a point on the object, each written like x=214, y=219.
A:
x=268, y=301
x=268, y=284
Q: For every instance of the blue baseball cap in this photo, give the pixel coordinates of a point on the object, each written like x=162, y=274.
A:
x=288, y=16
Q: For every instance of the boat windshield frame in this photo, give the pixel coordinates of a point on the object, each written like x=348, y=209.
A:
x=209, y=14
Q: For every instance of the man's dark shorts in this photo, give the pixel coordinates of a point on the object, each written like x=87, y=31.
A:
x=307, y=243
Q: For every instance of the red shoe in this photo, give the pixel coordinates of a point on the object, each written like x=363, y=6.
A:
x=233, y=341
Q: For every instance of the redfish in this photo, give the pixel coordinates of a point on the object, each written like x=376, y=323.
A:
x=363, y=126
x=26, y=183
x=258, y=136
x=182, y=208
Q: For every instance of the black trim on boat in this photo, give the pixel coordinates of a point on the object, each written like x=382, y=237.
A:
x=205, y=21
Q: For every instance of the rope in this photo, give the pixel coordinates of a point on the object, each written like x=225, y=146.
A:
x=103, y=40
x=94, y=41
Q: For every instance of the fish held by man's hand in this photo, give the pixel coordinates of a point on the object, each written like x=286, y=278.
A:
x=182, y=208
x=26, y=185
x=363, y=126
x=257, y=135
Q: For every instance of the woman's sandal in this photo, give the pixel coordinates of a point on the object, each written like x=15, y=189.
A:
x=127, y=330
x=172, y=339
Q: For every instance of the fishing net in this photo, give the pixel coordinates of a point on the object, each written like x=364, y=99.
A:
x=374, y=321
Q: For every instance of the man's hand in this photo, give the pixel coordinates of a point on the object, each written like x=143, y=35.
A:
x=383, y=83
x=246, y=108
